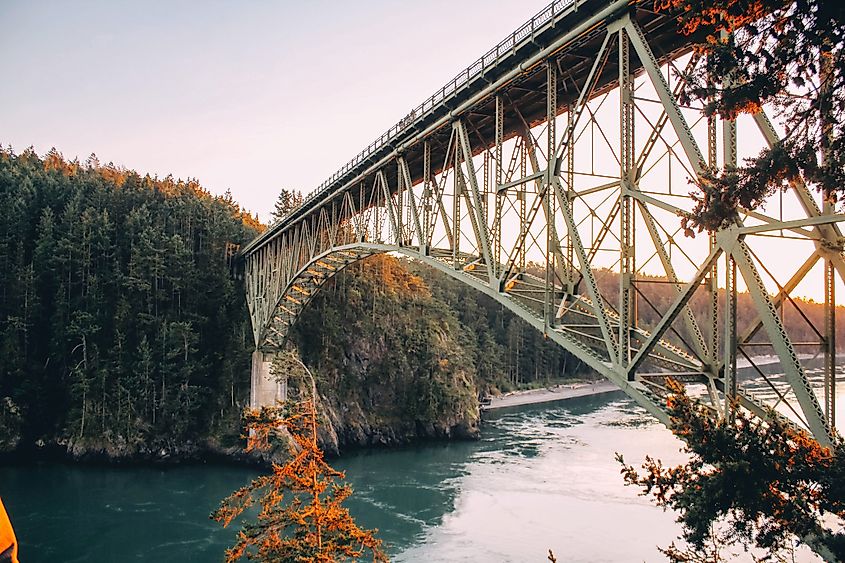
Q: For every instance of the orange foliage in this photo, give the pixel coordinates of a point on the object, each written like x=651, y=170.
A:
x=53, y=160
x=728, y=15
x=764, y=480
x=301, y=517
x=393, y=278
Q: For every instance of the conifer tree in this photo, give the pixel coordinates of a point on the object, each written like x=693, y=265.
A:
x=301, y=517
x=287, y=201
x=97, y=265
x=749, y=482
x=785, y=55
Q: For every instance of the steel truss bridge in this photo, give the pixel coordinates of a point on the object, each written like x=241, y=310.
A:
x=552, y=175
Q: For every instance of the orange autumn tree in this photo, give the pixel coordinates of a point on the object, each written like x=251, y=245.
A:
x=301, y=516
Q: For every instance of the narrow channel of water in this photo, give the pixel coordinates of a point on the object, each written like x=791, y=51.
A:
x=542, y=476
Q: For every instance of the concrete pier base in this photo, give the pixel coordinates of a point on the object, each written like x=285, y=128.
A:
x=265, y=390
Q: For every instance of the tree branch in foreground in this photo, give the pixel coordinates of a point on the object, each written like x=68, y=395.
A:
x=750, y=482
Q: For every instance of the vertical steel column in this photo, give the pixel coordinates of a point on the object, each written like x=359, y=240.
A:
x=729, y=142
x=377, y=216
x=551, y=114
x=627, y=312
x=400, y=208
x=730, y=342
x=456, y=207
x=826, y=71
x=713, y=344
x=408, y=200
x=830, y=342
x=334, y=224
x=413, y=223
x=425, y=241
x=363, y=215
x=728, y=129
x=485, y=191
x=522, y=196
x=730, y=336
x=570, y=187
x=713, y=286
x=497, y=220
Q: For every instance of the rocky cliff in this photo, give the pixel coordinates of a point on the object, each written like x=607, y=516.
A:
x=393, y=364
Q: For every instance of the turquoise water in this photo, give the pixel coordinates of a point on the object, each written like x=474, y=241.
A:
x=542, y=476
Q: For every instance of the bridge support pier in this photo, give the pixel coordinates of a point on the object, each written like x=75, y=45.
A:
x=265, y=389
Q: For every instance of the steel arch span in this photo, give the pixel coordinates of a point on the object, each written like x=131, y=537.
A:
x=552, y=175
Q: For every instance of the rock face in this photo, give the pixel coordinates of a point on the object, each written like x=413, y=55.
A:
x=392, y=362
x=159, y=452
x=345, y=426
x=11, y=423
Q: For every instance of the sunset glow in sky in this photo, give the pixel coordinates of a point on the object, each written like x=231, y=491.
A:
x=246, y=96
x=250, y=97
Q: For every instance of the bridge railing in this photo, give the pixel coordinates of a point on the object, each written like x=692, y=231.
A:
x=490, y=59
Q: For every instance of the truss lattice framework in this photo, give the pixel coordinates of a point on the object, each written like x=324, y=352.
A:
x=556, y=186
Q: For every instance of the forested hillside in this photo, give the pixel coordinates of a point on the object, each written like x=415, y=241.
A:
x=801, y=317
x=120, y=324
x=124, y=334
x=402, y=352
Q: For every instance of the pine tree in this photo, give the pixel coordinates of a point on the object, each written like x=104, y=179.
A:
x=748, y=482
x=301, y=517
x=287, y=201
x=789, y=56
x=97, y=264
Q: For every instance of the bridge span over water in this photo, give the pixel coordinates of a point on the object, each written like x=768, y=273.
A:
x=552, y=175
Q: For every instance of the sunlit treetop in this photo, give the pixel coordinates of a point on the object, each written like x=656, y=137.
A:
x=301, y=516
x=787, y=56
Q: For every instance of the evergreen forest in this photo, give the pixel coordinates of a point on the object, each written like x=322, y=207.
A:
x=120, y=324
x=124, y=330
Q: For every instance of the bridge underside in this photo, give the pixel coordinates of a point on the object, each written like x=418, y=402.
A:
x=554, y=181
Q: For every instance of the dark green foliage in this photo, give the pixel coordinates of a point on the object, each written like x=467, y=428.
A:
x=414, y=345
x=120, y=323
x=789, y=56
x=122, y=330
x=748, y=482
x=377, y=338
x=507, y=352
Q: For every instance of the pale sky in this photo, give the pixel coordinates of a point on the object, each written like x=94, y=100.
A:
x=248, y=96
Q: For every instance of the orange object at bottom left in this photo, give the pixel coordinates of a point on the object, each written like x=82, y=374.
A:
x=8, y=543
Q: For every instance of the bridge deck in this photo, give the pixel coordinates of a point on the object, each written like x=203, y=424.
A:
x=439, y=188
x=568, y=31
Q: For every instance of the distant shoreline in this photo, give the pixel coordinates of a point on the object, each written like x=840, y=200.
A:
x=545, y=395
